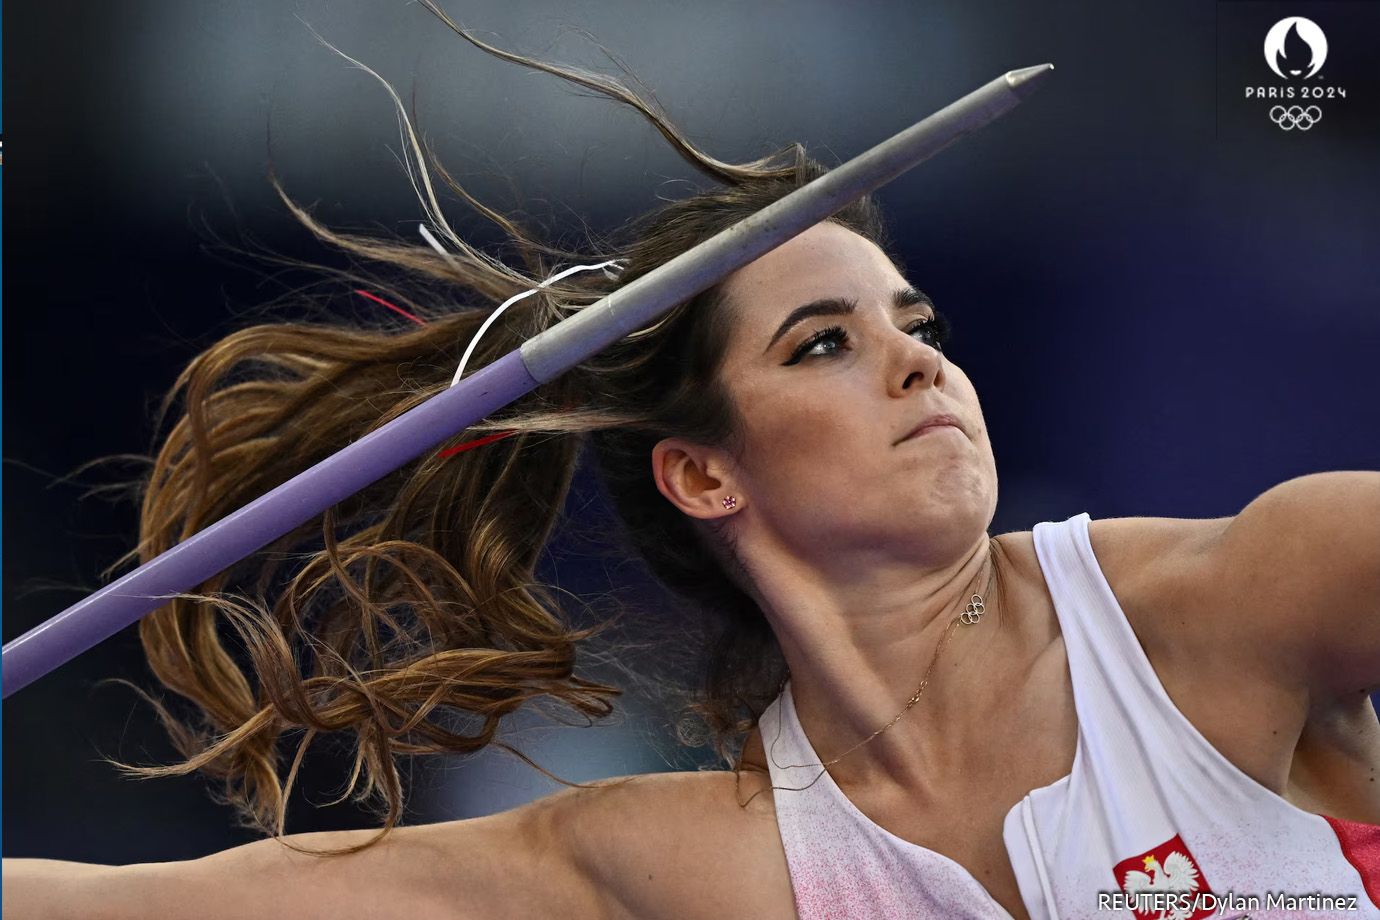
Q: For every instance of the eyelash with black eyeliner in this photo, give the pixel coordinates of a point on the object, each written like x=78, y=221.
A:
x=938, y=327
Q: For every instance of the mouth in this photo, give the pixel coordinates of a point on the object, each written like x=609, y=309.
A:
x=933, y=423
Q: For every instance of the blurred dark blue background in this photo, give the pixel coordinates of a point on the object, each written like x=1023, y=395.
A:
x=1168, y=305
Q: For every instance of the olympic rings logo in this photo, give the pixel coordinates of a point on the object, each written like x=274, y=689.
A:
x=1295, y=117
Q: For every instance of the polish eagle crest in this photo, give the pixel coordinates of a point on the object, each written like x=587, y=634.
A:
x=1177, y=875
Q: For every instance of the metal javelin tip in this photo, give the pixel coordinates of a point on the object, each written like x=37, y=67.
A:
x=1025, y=81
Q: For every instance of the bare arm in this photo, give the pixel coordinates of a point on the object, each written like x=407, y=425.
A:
x=671, y=846
x=678, y=846
x=506, y=865
x=1289, y=588
x=1323, y=531
x=1302, y=562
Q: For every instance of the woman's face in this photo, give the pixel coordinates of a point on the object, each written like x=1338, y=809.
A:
x=826, y=461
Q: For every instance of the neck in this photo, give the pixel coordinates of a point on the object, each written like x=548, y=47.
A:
x=854, y=667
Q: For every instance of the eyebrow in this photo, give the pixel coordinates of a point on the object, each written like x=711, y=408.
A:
x=838, y=306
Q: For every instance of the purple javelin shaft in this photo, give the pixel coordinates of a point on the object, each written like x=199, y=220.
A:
x=262, y=521
x=540, y=359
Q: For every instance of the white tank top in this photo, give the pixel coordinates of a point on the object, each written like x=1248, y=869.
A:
x=1152, y=822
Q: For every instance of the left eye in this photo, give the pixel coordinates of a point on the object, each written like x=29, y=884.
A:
x=938, y=328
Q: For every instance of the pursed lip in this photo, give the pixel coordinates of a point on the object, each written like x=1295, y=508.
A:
x=941, y=419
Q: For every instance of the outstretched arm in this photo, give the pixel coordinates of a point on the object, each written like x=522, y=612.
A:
x=1301, y=567
x=673, y=846
x=505, y=865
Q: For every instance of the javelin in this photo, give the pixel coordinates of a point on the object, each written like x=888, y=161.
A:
x=540, y=359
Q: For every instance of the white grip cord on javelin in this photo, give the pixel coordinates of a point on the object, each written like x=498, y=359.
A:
x=465, y=359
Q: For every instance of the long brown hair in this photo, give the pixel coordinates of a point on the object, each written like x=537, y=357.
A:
x=417, y=597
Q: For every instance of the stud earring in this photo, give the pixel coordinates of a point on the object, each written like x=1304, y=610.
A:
x=730, y=502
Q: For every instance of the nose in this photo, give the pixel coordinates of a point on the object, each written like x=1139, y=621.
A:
x=914, y=364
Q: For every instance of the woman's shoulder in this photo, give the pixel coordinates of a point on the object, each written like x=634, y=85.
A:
x=1224, y=686
x=1153, y=566
x=682, y=845
x=1148, y=563
x=1150, y=548
x=1133, y=552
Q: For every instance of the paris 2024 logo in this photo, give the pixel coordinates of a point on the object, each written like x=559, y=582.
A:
x=1295, y=49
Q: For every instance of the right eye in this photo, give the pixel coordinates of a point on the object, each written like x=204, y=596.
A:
x=836, y=334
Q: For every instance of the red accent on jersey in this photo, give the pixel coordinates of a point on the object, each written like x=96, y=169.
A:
x=1361, y=847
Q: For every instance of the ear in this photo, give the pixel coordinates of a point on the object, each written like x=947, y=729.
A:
x=695, y=479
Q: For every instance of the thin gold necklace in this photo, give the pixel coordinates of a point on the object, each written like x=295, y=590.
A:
x=970, y=616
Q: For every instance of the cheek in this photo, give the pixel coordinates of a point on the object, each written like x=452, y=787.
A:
x=801, y=428
x=811, y=466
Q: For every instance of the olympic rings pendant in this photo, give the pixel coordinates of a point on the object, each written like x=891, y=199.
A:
x=973, y=612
